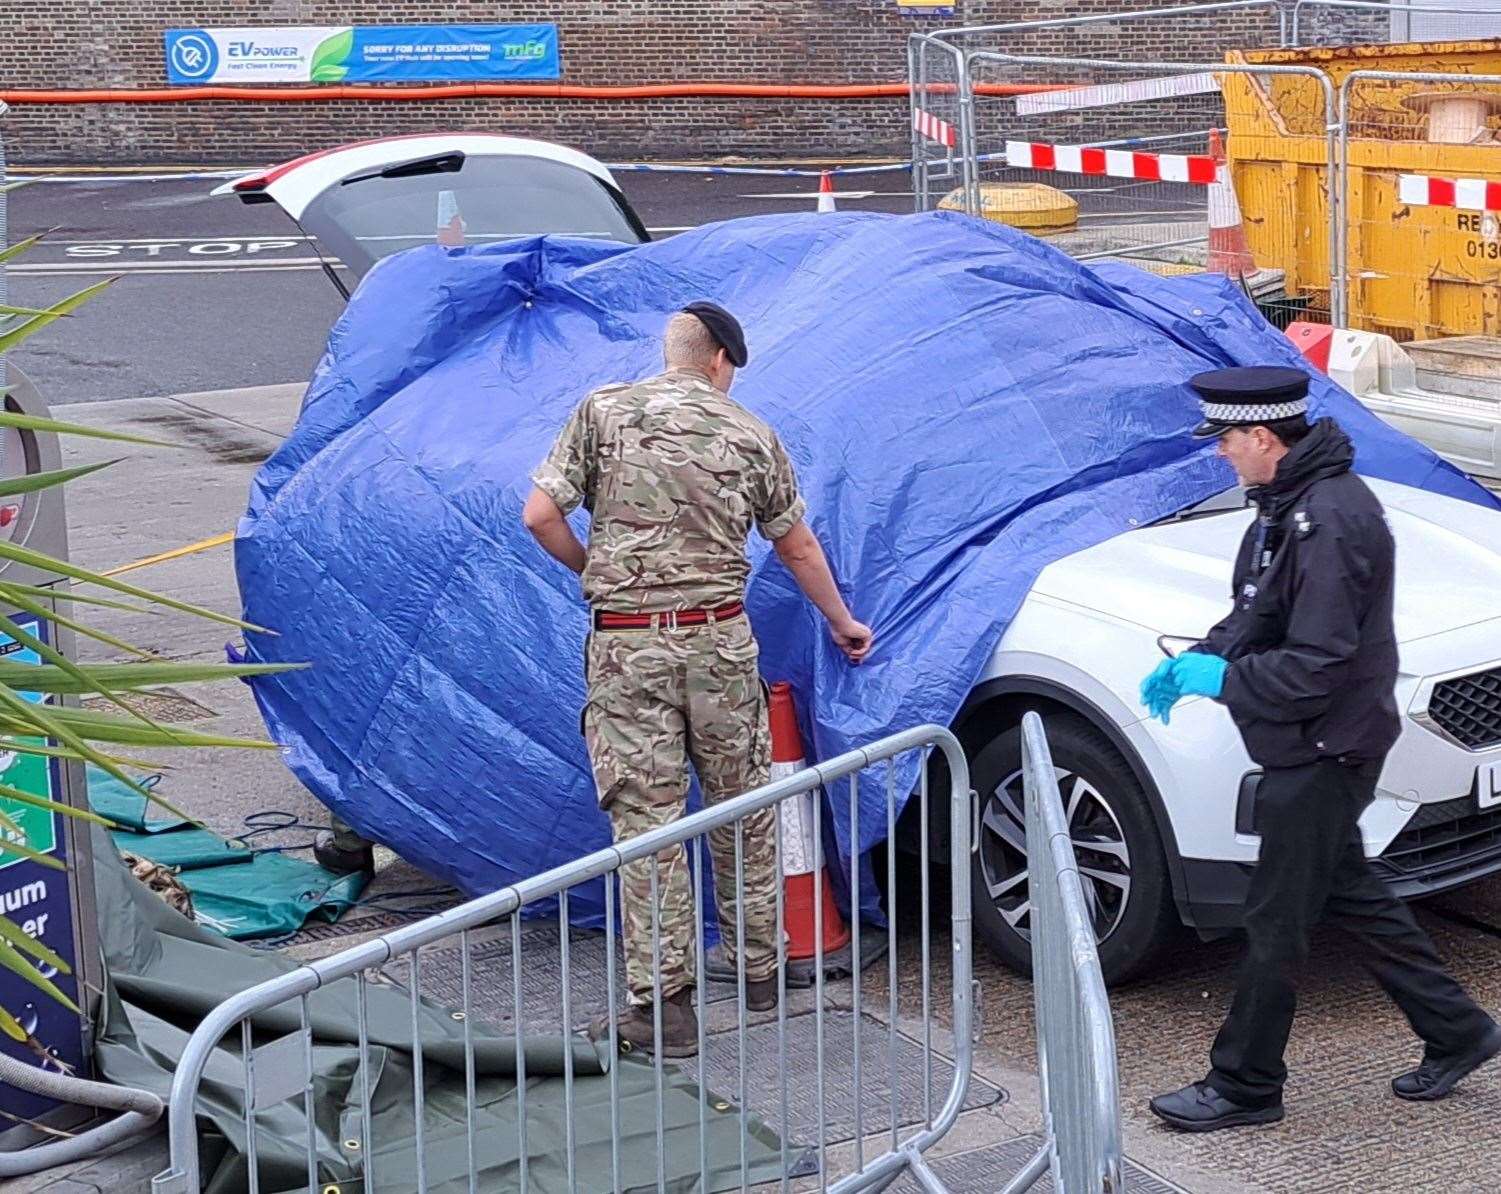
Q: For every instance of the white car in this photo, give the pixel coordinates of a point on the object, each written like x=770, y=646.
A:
x=1163, y=817
x=366, y=200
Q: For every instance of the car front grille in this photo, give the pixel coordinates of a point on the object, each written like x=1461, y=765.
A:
x=1468, y=708
x=1443, y=837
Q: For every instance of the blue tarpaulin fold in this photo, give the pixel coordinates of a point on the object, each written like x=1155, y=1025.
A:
x=963, y=405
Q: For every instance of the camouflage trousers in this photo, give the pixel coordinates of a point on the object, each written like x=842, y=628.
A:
x=658, y=699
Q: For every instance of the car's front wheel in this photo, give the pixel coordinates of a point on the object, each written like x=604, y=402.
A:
x=1122, y=869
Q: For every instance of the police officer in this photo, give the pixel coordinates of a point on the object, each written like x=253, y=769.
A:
x=1306, y=663
x=675, y=473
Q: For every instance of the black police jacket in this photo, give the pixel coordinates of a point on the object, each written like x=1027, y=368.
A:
x=1312, y=649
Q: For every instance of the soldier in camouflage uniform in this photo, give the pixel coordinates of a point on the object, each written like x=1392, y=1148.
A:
x=674, y=474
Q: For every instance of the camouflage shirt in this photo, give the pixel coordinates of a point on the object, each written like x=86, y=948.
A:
x=673, y=472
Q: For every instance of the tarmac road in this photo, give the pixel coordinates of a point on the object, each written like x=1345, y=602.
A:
x=214, y=294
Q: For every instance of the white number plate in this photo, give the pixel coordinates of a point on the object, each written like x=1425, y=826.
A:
x=1488, y=785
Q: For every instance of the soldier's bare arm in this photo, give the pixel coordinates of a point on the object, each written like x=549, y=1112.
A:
x=550, y=528
x=800, y=550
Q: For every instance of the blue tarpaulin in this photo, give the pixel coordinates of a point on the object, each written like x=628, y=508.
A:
x=963, y=404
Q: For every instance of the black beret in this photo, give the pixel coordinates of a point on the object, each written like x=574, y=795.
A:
x=724, y=327
x=1249, y=396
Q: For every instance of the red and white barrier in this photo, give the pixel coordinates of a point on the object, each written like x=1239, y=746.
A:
x=934, y=129
x=1112, y=163
x=1472, y=194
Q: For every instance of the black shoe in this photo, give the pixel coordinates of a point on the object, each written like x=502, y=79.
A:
x=342, y=862
x=1436, y=1076
x=1198, y=1107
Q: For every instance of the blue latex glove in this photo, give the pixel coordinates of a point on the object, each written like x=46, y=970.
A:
x=1159, y=690
x=1198, y=674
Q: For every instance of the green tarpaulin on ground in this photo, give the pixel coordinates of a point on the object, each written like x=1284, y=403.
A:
x=240, y=892
x=165, y=973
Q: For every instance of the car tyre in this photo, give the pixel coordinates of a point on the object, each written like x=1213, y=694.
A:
x=1122, y=867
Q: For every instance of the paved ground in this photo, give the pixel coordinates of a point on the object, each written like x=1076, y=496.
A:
x=1344, y=1131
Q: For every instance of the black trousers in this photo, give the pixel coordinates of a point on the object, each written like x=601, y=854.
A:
x=1313, y=868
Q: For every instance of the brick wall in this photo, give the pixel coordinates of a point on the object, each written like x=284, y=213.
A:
x=106, y=43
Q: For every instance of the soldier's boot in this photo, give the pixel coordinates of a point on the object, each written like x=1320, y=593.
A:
x=341, y=850
x=761, y=993
x=635, y=1027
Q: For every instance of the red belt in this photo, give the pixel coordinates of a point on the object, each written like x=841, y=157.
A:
x=604, y=620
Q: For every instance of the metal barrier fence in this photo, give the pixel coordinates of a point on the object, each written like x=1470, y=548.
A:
x=938, y=54
x=252, y=1058
x=1157, y=202
x=1318, y=153
x=1348, y=22
x=1075, y=1036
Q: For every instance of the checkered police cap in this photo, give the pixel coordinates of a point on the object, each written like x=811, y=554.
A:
x=1249, y=396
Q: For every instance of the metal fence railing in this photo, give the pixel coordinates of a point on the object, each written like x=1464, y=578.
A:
x=1188, y=29
x=255, y=1063
x=1075, y=1037
x=1358, y=196
x=1356, y=22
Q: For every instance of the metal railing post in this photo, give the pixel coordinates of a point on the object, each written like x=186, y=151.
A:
x=1075, y=1037
x=184, y=1174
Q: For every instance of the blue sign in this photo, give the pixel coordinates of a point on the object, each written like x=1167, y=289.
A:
x=38, y=901
x=363, y=54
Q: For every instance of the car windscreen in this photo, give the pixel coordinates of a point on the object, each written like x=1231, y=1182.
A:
x=1226, y=502
x=463, y=200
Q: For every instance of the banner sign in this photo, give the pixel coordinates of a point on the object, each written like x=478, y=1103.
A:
x=362, y=54
x=39, y=902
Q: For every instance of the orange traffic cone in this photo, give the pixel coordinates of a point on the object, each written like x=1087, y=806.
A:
x=1229, y=252
x=826, y=193
x=805, y=879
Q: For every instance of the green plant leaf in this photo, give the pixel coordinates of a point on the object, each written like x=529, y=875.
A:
x=127, y=677
x=105, y=727
x=30, y=483
x=14, y=418
x=12, y=827
x=64, y=592
x=44, y=562
x=329, y=73
x=9, y=340
x=52, y=864
x=14, y=962
x=40, y=720
x=19, y=247
x=56, y=806
x=12, y=1027
x=6, y=309
x=50, y=653
x=28, y=746
x=27, y=944
x=15, y=184
x=51, y=615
